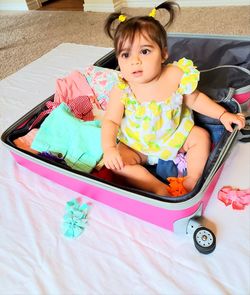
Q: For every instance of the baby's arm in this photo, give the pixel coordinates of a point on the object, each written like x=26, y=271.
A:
x=201, y=103
x=110, y=127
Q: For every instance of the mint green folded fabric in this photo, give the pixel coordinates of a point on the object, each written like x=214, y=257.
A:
x=78, y=142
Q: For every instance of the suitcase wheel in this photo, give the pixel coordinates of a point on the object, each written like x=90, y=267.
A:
x=204, y=240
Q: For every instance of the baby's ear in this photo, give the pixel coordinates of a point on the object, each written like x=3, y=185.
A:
x=164, y=55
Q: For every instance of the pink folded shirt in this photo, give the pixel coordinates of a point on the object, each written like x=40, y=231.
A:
x=72, y=86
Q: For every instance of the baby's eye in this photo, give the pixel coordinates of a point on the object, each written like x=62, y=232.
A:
x=124, y=54
x=145, y=51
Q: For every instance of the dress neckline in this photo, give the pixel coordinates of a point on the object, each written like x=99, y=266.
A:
x=125, y=86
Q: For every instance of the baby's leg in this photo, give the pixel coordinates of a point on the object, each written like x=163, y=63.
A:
x=130, y=156
x=197, y=147
x=136, y=174
x=139, y=177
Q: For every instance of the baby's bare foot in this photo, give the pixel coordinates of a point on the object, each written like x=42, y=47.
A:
x=189, y=183
x=163, y=191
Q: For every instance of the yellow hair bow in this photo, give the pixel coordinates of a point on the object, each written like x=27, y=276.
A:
x=152, y=13
x=122, y=18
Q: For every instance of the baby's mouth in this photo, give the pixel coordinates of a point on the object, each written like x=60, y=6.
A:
x=137, y=73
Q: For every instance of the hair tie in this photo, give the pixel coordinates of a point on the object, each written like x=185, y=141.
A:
x=122, y=18
x=152, y=12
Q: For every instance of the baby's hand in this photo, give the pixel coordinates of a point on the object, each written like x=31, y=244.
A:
x=228, y=118
x=112, y=159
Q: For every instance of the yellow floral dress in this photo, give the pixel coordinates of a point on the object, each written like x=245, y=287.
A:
x=159, y=129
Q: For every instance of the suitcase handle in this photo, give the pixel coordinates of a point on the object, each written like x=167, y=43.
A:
x=244, y=134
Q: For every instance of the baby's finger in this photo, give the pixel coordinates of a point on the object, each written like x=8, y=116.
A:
x=240, y=121
x=120, y=161
x=241, y=124
x=117, y=163
x=228, y=127
x=109, y=165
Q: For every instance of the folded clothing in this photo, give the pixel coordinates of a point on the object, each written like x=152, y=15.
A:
x=76, y=141
x=72, y=86
x=101, y=80
x=24, y=142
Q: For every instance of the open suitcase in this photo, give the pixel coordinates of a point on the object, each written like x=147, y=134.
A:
x=224, y=63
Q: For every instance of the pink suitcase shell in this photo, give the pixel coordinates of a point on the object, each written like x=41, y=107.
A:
x=228, y=84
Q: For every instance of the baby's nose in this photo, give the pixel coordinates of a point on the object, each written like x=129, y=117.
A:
x=135, y=60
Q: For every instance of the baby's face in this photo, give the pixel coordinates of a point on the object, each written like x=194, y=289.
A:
x=140, y=62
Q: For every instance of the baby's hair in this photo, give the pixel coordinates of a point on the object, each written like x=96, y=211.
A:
x=148, y=26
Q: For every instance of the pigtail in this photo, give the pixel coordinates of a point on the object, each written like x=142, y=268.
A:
x=172, y=8
x=109, y=28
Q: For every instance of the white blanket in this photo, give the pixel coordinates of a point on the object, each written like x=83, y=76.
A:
x=117, y=253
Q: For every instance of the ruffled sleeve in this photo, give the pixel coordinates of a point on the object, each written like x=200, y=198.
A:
x=122, y=86
x=125, y=99
x=190, y=78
